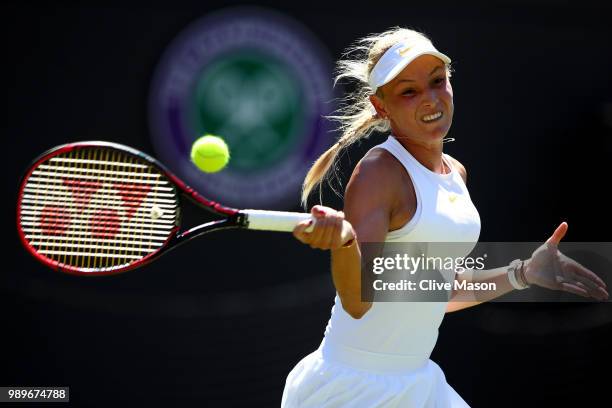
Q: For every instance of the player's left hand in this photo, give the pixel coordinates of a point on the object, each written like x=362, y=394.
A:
x=330, y=229
x=549, y=268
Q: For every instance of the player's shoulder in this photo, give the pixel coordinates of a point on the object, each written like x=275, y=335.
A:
x=460, y=167
x=376, y=173
x=377, y=165
x=372, y=193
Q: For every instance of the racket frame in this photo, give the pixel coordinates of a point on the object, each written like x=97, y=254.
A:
x=233, y=218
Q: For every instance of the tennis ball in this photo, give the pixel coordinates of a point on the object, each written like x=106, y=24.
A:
x=210, y=153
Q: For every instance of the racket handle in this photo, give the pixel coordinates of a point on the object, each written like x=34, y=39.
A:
x=275, y=220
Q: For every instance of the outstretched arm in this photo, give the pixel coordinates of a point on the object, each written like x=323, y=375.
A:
x=547, y=267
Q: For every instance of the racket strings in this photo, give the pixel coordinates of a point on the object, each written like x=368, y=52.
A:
x=97, y=209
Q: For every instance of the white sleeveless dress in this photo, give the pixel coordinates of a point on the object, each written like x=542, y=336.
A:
x=382, y=359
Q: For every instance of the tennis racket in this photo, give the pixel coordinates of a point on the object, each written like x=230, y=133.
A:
x=99, y=208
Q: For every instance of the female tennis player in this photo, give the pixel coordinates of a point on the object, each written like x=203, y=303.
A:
x=376, y=354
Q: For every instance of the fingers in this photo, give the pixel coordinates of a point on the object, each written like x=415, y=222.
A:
x=583, y=277
x=326, y=231
x=580, y=289
x=587, y=274
x=300, y=233
x=558, y=235
x=319, y=238
x=589, y=282
x=337, y=231
x=575, y=289
x=321, y=225
x=330, y=234
x=303, y=231
x=582, y=286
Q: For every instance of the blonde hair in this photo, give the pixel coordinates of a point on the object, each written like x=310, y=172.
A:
x=356, y=117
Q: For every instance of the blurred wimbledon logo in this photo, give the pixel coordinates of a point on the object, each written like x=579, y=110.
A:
x=255, y=103
x=262, y=82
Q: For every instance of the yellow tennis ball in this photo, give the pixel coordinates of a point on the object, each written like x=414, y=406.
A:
x=210, y=153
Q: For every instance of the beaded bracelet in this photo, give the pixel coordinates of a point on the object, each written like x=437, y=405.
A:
x=512, y=269
x=522, y=275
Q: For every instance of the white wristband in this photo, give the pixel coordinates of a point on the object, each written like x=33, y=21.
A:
x=512, y=268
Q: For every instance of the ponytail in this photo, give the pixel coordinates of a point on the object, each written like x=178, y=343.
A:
x=362, y=126
x=356, y=117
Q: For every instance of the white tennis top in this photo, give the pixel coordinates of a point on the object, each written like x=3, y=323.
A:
x=382, y=360
x=407, y=331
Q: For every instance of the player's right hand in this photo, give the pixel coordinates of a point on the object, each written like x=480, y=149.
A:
x=330, y=229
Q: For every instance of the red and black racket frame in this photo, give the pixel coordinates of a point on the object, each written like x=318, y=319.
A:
x=232, y=218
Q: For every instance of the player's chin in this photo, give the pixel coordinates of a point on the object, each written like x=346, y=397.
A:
x=438, y=128
x=437, y=132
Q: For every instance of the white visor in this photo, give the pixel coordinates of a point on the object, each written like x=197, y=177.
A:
x=396, y=58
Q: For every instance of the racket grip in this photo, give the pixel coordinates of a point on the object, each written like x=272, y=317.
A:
x=283, y=221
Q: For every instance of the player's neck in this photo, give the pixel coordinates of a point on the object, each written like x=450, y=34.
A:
x=429, y=155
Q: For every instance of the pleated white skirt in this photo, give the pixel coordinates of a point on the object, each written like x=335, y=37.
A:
x=338, y=376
